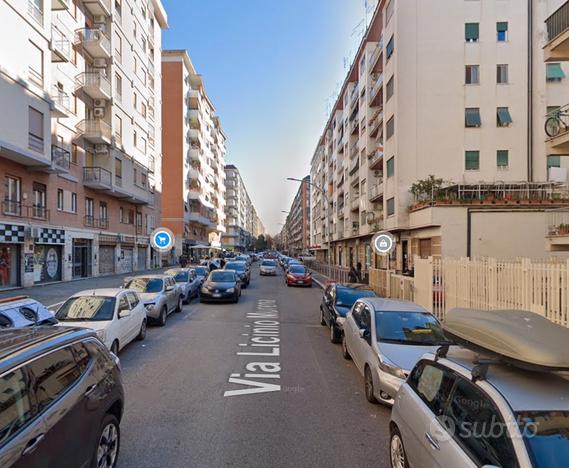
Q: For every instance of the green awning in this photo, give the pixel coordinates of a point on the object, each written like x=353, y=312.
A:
x=554, y=71
x=504, y=117
x=472, y=160
x=472, y=117
x=502, y=26
x=502, y=158
x=471, y=31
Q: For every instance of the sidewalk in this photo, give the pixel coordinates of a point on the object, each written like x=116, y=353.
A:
x=54, y=293
x=319, y=279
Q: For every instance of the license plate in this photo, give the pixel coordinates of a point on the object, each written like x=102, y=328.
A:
x=300, y=282
x=217, y=295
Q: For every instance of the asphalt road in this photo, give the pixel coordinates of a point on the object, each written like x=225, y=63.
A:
x=177, y=415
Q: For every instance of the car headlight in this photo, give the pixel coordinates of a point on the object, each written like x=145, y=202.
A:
x=230, y=290
x=102, y=335
x=388, y=367
x=149, y=306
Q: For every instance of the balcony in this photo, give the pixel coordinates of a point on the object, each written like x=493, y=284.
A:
x=16, y=209
x=375, y=159
x=60, y=43
x=98, y=7
x=376, y=97
x=60, y=159
x=97, y=223
x=375, y=123
x=61, y=103
x=94, y=41
x=557, y=48
x=95, y=131
x=354, y=149
x=355, y=165
x=373, y=60
x=355, y=204
x=60, y=4
x=95, y=84
x=376, y=191
x=97, y=178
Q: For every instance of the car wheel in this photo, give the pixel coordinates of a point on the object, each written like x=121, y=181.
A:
x=178, y=308
x=397, y=455
x=108, y=443
x=142, y=333
x=187, y=299
x=369, y=385
x=334, y=334
x=236, y=298
x=162, y=317
x=345, y=351
x=322, y=321
x=115, y=348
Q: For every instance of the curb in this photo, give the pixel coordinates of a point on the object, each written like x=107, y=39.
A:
x=319, y=283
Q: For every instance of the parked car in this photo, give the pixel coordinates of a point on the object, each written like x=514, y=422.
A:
x=242, y=271
x=61, y=399
x=386, y=338
x=244, y=258
x=22, y=311
x=497, y=400
x=159, y=293
x=188, y=280
x=268, y=267
x=298, y=275
x=118, y=316
x=337, y=300
x=221, y=286
x=201, y=272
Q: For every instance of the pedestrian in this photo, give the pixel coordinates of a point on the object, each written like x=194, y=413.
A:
x=353, y=275
x=183, y=261
x=221, y=263
x=359, y=271
x=212, y=265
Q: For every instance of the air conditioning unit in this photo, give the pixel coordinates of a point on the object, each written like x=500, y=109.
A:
x=99, y=63
x=99, y=103
x=99, y=112
x=101, y=148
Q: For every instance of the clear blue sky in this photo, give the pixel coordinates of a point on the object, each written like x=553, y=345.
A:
x=269, y=67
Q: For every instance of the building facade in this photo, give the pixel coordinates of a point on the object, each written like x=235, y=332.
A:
x=296, y=231
x=243, y=223
x=461, y=95
x=80, y=145
x=193, y=200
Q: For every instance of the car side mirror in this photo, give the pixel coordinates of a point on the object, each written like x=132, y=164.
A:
x=124, y=313
x=169, y=288
x=364, y=333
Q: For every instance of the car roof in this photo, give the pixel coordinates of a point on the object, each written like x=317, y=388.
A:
x=103, y=292
x=16, y=301
x=523, y=389
x=363, y=287
x=392, y=305
x=154, y=275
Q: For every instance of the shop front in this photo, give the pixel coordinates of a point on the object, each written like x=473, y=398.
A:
x=142, y=252
x=127, y=254
x=11, y=241
x=107, y=257
x=82, y=258
x=48, y=255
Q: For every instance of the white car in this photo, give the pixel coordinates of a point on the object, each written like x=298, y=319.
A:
x=268, y=267
x=117, y=315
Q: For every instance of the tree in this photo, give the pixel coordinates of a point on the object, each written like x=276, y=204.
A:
x=261, y=243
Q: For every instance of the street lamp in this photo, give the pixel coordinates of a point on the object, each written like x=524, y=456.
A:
x=329, y=216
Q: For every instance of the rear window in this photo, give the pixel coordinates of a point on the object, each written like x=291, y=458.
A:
x=181, y=276
x=346, y=297
x=235, y=266
x=297, y=269
x=202, y=271
x=268, y=263
x=222, y=276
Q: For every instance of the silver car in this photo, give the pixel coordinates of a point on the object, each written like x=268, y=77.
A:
x=159, y=293
x=188, y=280
x=23, y=311
x=268, y=267
x=386, y=338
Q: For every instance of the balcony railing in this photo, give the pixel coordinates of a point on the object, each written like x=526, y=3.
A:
x=96, y=84
x=94, y=41
x=100, y=223
x=354, y=92
x=376, y=191
x=61, y=100
x=60, y=157
x=355, y=204
x=95, y=129
x=11, y=208
x=60, y=43
x=35, y=12
x=15, y=208
x=374, y=158
x=35, y=142
x=97, y=174
x=558, y=22
x=376, y=53
x=118, y=180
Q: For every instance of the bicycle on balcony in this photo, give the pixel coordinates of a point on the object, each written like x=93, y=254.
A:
x=557, y=122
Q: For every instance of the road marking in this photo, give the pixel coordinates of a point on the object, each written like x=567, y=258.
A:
x=265, y=334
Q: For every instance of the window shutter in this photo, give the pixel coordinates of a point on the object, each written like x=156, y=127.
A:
x=471, y=31
x=504, y=117
x=502, y=158
x=502, y=26
x=472, y=160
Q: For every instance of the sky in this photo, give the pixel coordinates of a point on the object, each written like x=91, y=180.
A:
x=270, y=67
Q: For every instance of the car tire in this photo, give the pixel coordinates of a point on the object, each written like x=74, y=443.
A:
x=322, y=321
x=178, y=308
x=187, y=299
x=236, y=299
x=162, y=316
x=335, y=335
x=108, y=443
x=345, y=352
x=368, y=385
x=397, y=454
x=115, y=348
x=142, y=332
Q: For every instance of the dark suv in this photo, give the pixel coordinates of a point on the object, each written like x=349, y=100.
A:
x=61, y=399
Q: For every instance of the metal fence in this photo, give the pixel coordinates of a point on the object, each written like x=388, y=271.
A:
x=333, y=272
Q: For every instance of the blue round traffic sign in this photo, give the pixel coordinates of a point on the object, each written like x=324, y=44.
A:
x=162, y=239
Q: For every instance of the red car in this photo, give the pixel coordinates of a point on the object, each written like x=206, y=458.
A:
x=298, y=275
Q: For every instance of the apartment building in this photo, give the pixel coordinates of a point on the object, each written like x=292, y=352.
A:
x=193, y=147
x=460, y=93
x=243, y=223
x=79, y=137
x=296, y=231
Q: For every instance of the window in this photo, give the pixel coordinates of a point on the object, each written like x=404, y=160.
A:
x=53, y=375
x=502, y=74
x=35, y=67
x=143, y=109
x=391, y=207
x=390, y=47
x=391, y=166
x=502, y=31
x=118, y=167
x=133, y=299
x=390, y=127
x=59, y=199
x=554, y=72
x=12, y=195
x=17, y=409
x=389, y=89
x=433, y=385
x=39, y=200
x=504, y=119
x=74, y=151
x=35, y=10
x=389, y=11
x=143, y=145
x=472, y=160
x=553, y=161
x=73, y=202
x=118, y=87
x=134, y=138
x=121, y=214
x=135, y=100
x=471, y=32
x=35, y=135
x=89, y=207
x=472, y=75
x=139, y=219
x=103, y=211
x=118, y=48
x=118, y=129
x=118, y=9
x=123, y=303
x=472, y=117
x=502, y=159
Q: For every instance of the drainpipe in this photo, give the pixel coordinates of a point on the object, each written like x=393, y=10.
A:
x=530, y=93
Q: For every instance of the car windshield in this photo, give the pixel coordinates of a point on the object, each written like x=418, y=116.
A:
x=268, y=263
x=242, y=259
x=222, y=277
x=417, y=328
x=201, y=271
x=235, y=266
x=145, y=285
x=297, y=270
x=179, y=276
x=87, y=308
x=346, y=297
x=546, y=435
